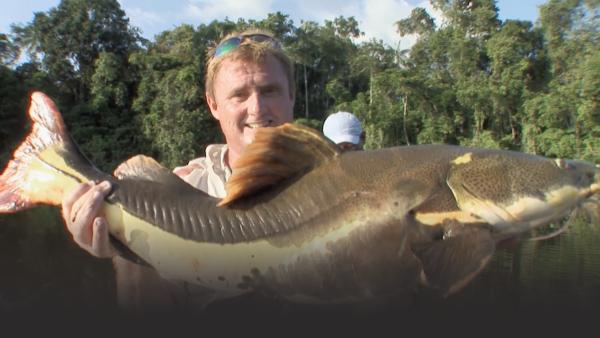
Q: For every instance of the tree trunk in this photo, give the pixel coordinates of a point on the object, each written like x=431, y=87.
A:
x=405, y=113
x=370, y=89
x=578, y=139
x=305, y=92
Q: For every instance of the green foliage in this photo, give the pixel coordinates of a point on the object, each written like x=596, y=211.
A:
x=484, y=139
x=419, y=22
x=313, y=123
x=170, y=104
x=14, y=86
x=322, y=55
x=70, y=37
x=555, y=142
x=11, y=112
x=8, y=51
x=82, y=47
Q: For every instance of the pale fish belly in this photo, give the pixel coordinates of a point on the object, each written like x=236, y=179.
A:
x=224, y=267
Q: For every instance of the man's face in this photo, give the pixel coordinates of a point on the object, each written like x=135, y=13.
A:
x=249, y=96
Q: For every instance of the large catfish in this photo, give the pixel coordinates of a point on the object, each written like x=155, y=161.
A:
x=303, y=220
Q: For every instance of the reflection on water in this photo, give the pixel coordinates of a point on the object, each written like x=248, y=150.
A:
x=41, y=268
x=561, y=273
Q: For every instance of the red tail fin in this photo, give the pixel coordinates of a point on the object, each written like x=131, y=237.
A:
x=26, y=179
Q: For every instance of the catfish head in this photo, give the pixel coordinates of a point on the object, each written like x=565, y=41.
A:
x=489, y=196
x=517, y=193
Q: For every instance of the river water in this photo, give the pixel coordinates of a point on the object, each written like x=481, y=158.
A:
x=42, y=269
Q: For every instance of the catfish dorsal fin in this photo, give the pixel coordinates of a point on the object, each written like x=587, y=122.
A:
x=277, y=153
x=144, y=168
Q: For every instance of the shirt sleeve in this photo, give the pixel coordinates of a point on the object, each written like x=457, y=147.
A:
x=209, y=173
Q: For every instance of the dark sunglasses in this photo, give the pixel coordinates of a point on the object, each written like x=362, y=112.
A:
x=234, y=42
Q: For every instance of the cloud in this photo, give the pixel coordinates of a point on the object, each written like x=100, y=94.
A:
x=142, y=18
x=376, y=18
x=148, y=21
x=321, y=10
x=209, y=10
x=379, y=18
x=434, y=13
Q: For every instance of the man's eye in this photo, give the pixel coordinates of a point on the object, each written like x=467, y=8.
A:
x=238, y=96
x=270, y=91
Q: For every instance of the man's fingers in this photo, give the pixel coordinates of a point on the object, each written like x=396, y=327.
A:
x=70, y=198
x=100, y=244
x=83, y=212
x=95, y=197
x=86, y=209
x=186, y=170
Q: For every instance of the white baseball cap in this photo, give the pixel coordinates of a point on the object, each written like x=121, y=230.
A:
x=342, y=127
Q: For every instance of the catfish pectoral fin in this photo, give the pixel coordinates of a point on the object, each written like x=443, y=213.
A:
x=449, y=264
x=126, y=252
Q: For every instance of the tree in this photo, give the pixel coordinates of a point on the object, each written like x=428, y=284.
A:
x=302, y=50
x=517, y=66
x=419, y=23
x=568, y=108
x=83, y=47
x=8, y=50
x=472, y=80
x=70, y=37
x=170, y=102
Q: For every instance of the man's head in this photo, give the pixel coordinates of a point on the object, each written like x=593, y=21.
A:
x=249, y=84
x=345, y=130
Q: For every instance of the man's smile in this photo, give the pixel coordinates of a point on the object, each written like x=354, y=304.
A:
x=259, y=124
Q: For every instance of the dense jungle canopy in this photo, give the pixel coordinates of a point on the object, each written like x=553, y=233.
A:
x=472, y=79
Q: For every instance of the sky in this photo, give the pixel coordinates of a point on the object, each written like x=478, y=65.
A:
x=376, y=18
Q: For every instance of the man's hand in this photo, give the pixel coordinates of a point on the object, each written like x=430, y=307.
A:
x=186, y=170
x=80, y=210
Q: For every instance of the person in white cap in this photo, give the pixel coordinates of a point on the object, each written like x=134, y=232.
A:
x=345, y=130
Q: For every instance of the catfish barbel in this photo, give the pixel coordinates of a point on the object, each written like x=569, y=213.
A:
x=304, y=221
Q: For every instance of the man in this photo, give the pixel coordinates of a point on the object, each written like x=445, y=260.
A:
x=345, y=130
x=249, y=85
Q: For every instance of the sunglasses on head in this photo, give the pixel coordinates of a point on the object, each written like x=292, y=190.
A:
x=234, y=42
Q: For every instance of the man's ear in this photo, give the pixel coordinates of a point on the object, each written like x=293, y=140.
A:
x=212, y=105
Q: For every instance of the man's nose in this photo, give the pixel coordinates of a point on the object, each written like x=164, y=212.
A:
x=256, y=104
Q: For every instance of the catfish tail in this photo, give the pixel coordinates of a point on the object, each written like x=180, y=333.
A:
x=46, y=164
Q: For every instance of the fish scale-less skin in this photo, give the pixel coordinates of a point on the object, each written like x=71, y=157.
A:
x=531, y=179
x=344, y=275
x=523, y=180
x=441, y=201
x=269, y=217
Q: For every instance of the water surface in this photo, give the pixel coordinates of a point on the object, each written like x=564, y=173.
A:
x=41, y=268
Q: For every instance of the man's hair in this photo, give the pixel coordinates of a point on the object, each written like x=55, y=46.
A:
x=250, y=51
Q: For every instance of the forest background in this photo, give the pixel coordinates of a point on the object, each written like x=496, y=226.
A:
x=472, y=79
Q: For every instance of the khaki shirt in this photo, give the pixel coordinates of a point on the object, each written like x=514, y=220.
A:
x=141, y=289
x=209, y=173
